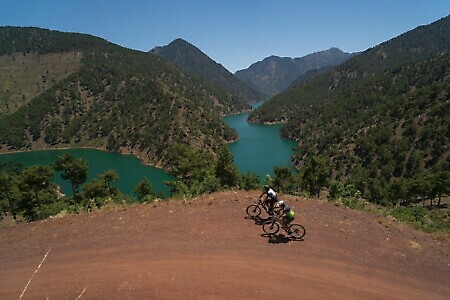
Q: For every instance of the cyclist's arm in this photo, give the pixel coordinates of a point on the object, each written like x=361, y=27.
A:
x=278, y=212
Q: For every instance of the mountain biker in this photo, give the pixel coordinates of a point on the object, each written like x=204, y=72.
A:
x=270, y=198
x=286, y=215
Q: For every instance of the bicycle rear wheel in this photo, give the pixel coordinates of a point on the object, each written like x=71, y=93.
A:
x=297, y=231
x=253, y=210
x=271, y=227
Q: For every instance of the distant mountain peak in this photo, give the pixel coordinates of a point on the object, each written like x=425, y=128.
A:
x=365, y=117
x=181, y=41
x=194, y=62
x=82, y=77
x=274, y=74
x=177, y=44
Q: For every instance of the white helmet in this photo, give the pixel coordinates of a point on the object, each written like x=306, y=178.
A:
x=280, y=203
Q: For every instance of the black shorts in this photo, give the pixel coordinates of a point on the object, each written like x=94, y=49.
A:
x=271, y=200
x=271, y=203
x=288, y=219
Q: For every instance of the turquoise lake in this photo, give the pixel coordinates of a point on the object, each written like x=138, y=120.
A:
x=129, y=168
x=259, y=149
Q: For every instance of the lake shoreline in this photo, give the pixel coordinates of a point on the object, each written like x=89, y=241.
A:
x=260, y=147
x=129, y=167
x=141, y=159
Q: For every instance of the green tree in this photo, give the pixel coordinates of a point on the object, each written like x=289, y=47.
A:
x=74, y=169
x=249, y=181
x=209, y=183
x=7, y=183
x=107, y=177
x=314, y=175
x=226, y=170
x=10, y=167
x=418, y=188
x=144, y=190
x=441, y=185
x=99, y=190
x=94, y=189
x=189, y=164
x=283, y=180
x=398, y=191
x=36, y=180
x=178, y=188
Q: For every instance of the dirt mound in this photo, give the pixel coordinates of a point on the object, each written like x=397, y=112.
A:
x=205, y=248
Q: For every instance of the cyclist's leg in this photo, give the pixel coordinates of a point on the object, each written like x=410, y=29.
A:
x=286, y=221
x=271, y=208
x=270, y=205
x=265, y=201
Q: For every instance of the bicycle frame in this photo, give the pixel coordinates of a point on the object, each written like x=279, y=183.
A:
x=254, y=210
x=272, y=226
x=263, y=205
x=275, y=219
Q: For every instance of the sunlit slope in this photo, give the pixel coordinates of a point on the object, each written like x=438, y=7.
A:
x=380, y=117
x=109, y=97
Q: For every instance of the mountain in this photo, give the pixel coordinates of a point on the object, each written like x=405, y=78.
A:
x=380, y=120
x=92, y=93
x=194, y=62
x=275, y=74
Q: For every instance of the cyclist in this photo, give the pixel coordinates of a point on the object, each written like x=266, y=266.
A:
x=286, y=215
x=270, y=198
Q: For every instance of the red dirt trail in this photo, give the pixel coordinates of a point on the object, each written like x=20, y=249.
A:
x=206, y=248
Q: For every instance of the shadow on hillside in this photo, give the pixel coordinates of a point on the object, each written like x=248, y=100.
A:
x=279, y=238
x=258, y=220
x=273, y=238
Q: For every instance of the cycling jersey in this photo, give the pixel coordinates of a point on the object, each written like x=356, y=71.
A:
x=272, y=195
x=288, y=212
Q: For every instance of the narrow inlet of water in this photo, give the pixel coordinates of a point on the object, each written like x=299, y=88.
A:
x=260, y=147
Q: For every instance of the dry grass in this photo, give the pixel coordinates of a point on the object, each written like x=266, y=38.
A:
x=24, y=76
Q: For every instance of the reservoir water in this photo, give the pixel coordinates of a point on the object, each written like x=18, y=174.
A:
x=128, y=167
x=258, y=150
x=260, y=147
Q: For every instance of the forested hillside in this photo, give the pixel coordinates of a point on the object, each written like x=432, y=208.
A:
x=109, y=97
x=379, y=121
x=197, y=64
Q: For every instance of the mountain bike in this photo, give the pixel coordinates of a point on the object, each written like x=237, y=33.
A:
x=254, y=210
x=272, y=226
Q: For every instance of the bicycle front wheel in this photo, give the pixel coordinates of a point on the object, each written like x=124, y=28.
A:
x=271, y=227
x=297, y=231
x=253, y=210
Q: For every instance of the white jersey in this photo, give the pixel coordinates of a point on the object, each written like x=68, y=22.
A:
x=271, y=193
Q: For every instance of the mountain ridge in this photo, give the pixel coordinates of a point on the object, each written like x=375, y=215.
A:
x=380, y=119
x=196, y=63
x=116, y=99
x=275, y=74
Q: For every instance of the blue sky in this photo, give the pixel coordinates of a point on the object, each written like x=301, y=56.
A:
x=235, y=33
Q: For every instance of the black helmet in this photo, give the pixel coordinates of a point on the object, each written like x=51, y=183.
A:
x=266, y=187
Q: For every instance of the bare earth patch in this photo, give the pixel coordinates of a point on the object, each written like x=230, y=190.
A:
x=206, y=248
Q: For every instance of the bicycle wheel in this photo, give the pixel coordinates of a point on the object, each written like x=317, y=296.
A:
x=297, y=231
x=253, y=210
x=271, y=227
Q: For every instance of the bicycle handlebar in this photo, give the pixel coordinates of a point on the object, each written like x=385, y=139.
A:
x=277, y=217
